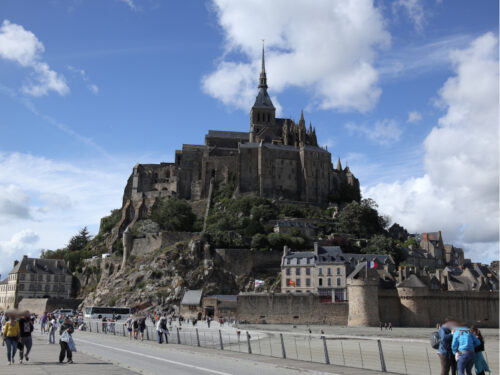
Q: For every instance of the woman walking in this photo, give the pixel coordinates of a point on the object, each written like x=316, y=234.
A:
x=479, y=363
x=66, y=330
x=11, y=336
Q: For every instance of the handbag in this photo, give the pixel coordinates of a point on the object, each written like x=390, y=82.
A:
x=65, y=337
x=71, y=344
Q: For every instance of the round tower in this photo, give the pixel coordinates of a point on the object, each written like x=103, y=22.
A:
x=362, y=289
x=412, y=294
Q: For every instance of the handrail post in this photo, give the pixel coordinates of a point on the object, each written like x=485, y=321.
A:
x=382, y=360
x=283, y=346
x=220, y=338
x=249, y=346
x=197, y=337
x=178, y=336
x=327, y=357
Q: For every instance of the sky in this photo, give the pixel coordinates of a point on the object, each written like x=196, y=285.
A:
x=405, y=92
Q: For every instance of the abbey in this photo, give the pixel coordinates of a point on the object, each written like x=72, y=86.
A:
x=278, y=158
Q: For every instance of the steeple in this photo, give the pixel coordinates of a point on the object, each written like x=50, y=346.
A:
x=339, y=166
x=263, y=78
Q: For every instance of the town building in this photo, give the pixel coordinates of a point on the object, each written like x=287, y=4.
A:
x=324, y=271
x=35, y=278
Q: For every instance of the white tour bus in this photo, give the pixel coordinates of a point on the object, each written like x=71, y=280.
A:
x=95, y=312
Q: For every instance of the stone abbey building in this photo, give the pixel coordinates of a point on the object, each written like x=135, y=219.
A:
x=278, y=158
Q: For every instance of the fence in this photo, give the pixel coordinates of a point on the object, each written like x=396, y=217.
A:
x=387, y=355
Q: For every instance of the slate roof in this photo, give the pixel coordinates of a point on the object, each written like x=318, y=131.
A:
x=224, y=297
x=263, y=100
x=412, y=282
x=192, y=297
x=33, y=265
x=333, y=254
x=227, y=134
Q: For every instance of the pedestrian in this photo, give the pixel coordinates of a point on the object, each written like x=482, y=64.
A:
x=445, y=353
x=11, y=334
x=480, y=364
x=142, y=327
x=43, y=322
x=390, y=326
x=208, y=321
x=386, y=326
x=381, y=325
x=128, y=324
x=66, y=330
x=104, y=325
x=463, y=345
x=26, y=327
x=135, y=325
x=161, y=328
x=52, y=329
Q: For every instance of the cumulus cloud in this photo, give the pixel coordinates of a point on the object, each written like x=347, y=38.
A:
x=414, y=9
x=458, y=192
x=53, y=199
x=20, y=241
x=14, y=203
x=22, y=46
x=414, y=117
x=383, y=132
x=91, y=86
x=129, y=3
x=336, y=69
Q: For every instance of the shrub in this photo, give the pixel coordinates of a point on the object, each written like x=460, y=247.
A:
x=173, y=214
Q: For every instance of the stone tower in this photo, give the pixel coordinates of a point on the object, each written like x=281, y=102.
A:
x=362, y=289
x=263, y=113
x=413, y=293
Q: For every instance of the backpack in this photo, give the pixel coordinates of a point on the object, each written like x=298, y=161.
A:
x=163, y=324
x=435, y=340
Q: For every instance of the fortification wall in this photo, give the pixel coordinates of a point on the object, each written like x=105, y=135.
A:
x=246, y=261
x=289, y=308
x=41, y=305
x=155, y=241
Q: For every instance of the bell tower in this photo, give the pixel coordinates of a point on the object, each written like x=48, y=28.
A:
x=262, y=114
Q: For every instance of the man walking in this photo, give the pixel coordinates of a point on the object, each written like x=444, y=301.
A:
x=161, y=328
x=26, y=326
x=52, y=330
x=445, y=353
x=463, y=344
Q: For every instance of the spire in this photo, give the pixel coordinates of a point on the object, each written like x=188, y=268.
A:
x=339, y=166
x=263, y=78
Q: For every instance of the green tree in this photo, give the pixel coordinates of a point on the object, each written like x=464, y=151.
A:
x=411, y=242
x=361, y=220
x=259, y=241
x=173, y=214
x=79, y=241
x=379, y=244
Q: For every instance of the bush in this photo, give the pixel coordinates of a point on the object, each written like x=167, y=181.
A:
x=290, y=210
x=259, y=241
x=173, y=214
x=361, y=220
x=108, y=222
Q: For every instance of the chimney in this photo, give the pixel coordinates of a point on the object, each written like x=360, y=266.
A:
x=16, y=262
x=316, y=248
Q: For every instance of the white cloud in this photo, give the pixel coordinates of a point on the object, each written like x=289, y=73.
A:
x=19, y=244
x=23, y=47
x=414, y=117
x=93, y=88
x=130, y=4
x=383, y=132
x=336, y=69
x=459, y=191
x=54, y=199
x=414, y=9
x=14, y=203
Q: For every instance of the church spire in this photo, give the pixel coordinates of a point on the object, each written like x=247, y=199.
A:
x=339, y=166
x=263, y=78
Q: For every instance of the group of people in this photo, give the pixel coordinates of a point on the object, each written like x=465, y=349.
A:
x=136, y=326
x=460, y=349
x=16, y=329
x=16, y=335
x=386, y=325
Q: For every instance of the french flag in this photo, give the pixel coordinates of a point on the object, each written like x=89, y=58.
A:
x=372, y=264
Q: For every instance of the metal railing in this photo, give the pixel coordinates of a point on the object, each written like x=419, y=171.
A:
x=386, y=355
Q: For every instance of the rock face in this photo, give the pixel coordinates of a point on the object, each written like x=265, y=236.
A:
x=160, y=278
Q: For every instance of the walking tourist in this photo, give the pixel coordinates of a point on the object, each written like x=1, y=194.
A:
x=11, y=334
x=444, y=351
x=64, y=341
x=43, y=323
x=104, y=325
x=53, y=324
x=463, y=345
x=26, y=327
x=142, y=327
x=480, y=364
x=128, y=324
x=161, y=328
x=135, y=325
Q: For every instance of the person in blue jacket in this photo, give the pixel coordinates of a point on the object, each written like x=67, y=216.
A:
x=463, y=344
x=444, y=351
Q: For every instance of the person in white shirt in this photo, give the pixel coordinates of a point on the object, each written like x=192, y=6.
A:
x=52, y=330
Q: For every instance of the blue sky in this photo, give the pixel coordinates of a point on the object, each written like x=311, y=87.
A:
x=90, y=88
